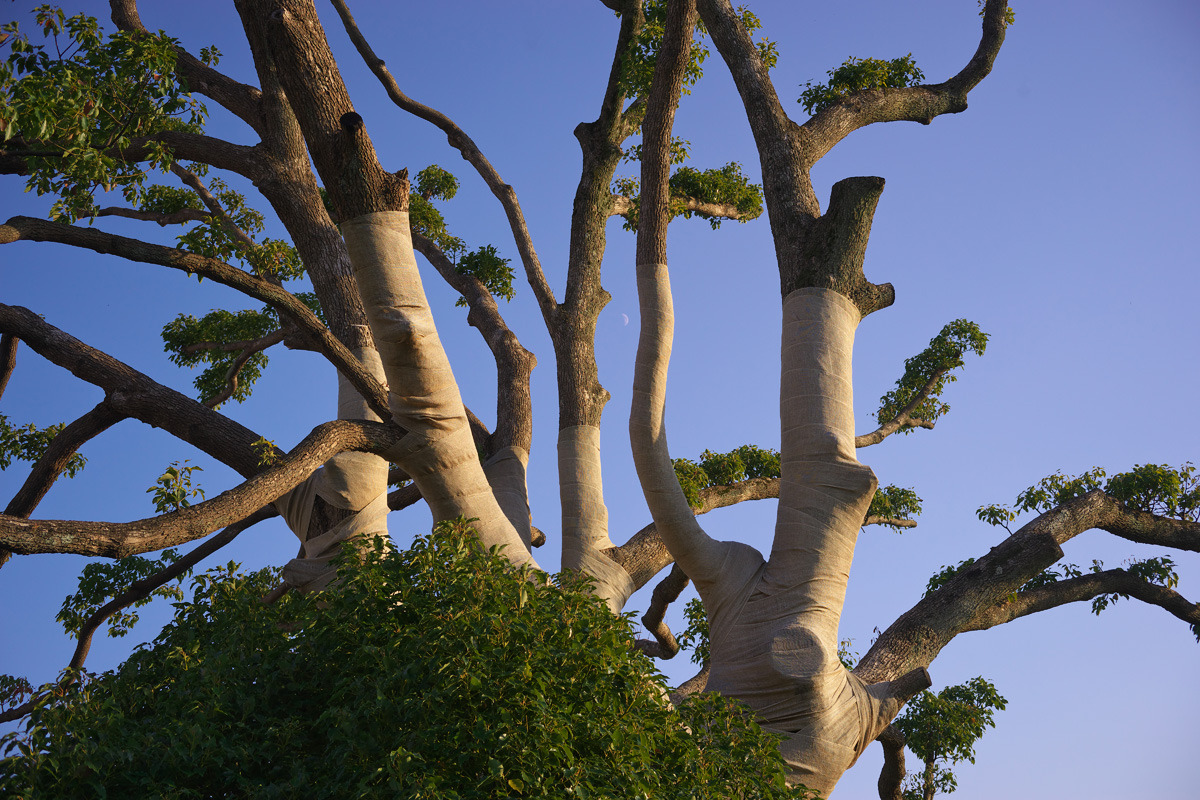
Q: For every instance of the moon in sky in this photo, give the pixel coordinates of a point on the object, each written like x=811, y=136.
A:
x=625, y=319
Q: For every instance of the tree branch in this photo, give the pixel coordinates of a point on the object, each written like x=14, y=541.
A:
x=905, y=417
x=891, y=777
x=32, y=229
x=51, y=464
x=174, y=218
x=135, y=395
x=8, y=359
x=231, y=374
x=470, y=152
x=514, y=364
x=666, y=592
x=193, y=182
x=117, y=540
x=914, y=103
x=623, y=206
x=1087, y=587
x=919, y=634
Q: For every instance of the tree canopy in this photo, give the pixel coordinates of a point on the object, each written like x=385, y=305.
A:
x=1048, y=281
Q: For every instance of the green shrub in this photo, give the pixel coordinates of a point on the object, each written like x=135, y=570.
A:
x=434, y=672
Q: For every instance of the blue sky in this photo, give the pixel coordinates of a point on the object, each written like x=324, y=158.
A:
x=1058, y=212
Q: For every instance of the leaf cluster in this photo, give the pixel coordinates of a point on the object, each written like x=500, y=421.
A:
x=695, y=632
x=943, y=728
x=858, y=75
x=28, y=443
x=894, y=503
x=726, y=186
x=485, y=265
x=206, y=341
x=77, y=100
x=435, y=672
x=173, y=489
x=1157, y=571
x=934, y=363
x=1154, y=488
x=724, y=469
x=102, y=581
x=268, y=258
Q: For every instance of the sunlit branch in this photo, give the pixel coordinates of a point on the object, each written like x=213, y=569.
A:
x=666, y=592
x=248, y=350
x=174, y=218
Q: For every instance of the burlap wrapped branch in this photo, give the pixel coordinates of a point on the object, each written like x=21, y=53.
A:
x=438, y=452
x=585, y=517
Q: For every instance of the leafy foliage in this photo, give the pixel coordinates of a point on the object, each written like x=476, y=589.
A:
x=456, y=677
x=726, y=186
x=13, y=691
x=695, y=633
x=942, y=730
x=268, y=258
x=193, y=342
x=77, y=101
x=485, y=265
x=944, y=575
x=103, y=581
x=174, y=490
x=435, y=182
x=894, y=503
x=1154, y=488
x=934, y=363
x=29, y=442
x=723, y=469
x=858, y=75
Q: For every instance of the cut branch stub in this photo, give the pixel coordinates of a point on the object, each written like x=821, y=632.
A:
x=835, y=245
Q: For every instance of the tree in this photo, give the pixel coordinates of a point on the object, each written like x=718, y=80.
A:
x=365, y=198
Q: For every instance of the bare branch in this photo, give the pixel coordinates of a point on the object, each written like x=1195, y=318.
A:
x=645, y=555
x=693, y=685
x=470, y=152
x=1087, y=587
x=892, y=775
x=116, y=540
x=8, y=359
x=905, y=417
x=914, y=103
x=51, y=464
x=174, y=218
x=31, y=229
x=667, y=592
x=622, y=206
x=890, y=521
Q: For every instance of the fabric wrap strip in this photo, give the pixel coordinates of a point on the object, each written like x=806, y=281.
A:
x=438, y=452
x=585, y=517
x=351, y=481
x=773, y=624
x=505, y=472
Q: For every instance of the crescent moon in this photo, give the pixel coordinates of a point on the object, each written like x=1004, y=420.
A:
x=625, y=319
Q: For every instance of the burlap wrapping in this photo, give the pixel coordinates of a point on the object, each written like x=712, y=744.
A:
x=505, y=472
x=773, y=624
x=438, y=452
x=585, y=517
x=352, y=481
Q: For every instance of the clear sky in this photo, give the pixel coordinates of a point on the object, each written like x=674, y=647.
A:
x=1059, y=213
